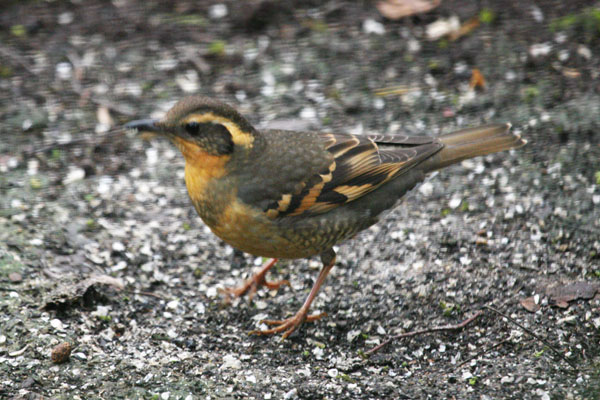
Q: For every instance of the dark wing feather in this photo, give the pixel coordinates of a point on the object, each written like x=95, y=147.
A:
x=360, y=165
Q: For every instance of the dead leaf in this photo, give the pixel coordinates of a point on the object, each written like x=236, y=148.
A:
x=396, y=9
x=81, y=294
x=442, y=27
x=464, y=29
x=394, y=90
x=529, y=304
x=477, y=79
x=562, y=295
x=104, y=117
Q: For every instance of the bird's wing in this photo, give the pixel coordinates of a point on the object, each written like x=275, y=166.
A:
x=360, y=165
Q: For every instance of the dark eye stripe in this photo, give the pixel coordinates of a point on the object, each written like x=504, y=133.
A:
x=193, y=128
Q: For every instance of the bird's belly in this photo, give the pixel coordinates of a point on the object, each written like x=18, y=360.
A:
x=251, y=231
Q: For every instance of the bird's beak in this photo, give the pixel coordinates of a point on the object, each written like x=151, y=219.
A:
x=144, y=125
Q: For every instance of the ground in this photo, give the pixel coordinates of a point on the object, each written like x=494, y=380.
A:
x=100, y=247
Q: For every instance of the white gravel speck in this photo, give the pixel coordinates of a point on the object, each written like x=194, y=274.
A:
x=218, y=11
x=173, y=304
x=318, y=353
x=231, y=362
x=543, y=394
x=372, y=26
x=65, y=18
x=291, y=394
x=333, y=373
x=101, y=311
x=212, y=292
x=455, y=202
x=584, y=52
x=442, y=27
x=118, y=247
x=540, y=49
x=172, y=333
x=75, y=174
x=64, y=71
x=426, y=189
x=261, y=305
x=350, y=336
x=57, y=324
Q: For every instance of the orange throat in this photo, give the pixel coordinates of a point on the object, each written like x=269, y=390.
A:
x=200, y=168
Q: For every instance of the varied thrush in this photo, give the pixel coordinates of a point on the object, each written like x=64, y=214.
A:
x=287, y=194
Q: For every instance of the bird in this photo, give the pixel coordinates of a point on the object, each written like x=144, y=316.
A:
x=289, y=195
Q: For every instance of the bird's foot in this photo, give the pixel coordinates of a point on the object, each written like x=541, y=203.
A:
x=289, y=325
x=253, y=283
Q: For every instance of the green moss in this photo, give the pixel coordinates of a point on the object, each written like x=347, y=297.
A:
x=18, y=30
x=217, y=48
x=597, y=176
x=56, y=154
x=35, y=182
x=187, y=19
x=464, y=206
x=5, y=72
x=449, y=308
x=587, y=23
x=473, y=381
x=487, y=16
x=530, y=93
x=563, y=23
x=8, y=265
x=317, y=26
x=538, y=354
x=433, y=65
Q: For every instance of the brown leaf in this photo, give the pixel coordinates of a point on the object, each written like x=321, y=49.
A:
x=104, y=117
x=396, y=9
x=477, y=79
x=529, y=304
x=465, y=29
x=81, y=294
x=562, y=295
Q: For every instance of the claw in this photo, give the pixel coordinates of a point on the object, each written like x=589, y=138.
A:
x=253, y=283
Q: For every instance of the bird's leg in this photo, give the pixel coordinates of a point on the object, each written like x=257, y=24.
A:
x=289, y=325
x=254, y=282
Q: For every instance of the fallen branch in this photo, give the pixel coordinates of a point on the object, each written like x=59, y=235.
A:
x=529, y=331
x=427, y=330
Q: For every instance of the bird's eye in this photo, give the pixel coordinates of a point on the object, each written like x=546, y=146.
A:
x=193, y=128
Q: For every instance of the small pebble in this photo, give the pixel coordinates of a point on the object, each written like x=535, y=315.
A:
x=61, y=353
x=15, y=277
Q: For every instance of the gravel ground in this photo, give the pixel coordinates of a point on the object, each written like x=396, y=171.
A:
x=100, y=247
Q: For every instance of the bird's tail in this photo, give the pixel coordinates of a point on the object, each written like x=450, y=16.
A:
x=474, y=142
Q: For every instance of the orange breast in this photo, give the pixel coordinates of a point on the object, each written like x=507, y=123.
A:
x=242, y=226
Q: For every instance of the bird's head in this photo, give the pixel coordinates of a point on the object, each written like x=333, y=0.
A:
x=202, y=127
